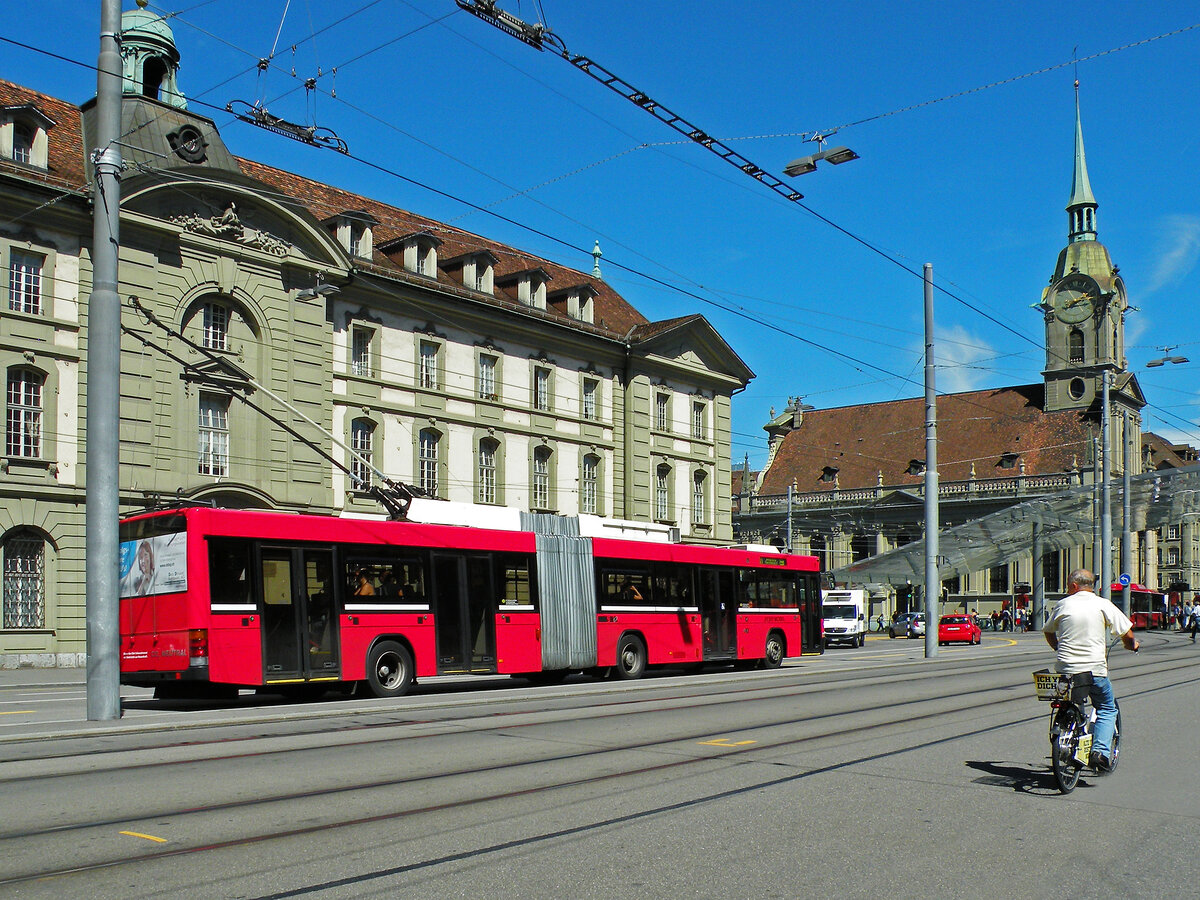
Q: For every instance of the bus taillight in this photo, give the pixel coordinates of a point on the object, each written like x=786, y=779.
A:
x=198, y=647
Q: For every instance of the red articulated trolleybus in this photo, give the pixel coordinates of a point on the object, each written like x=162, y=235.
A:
x=213, y=600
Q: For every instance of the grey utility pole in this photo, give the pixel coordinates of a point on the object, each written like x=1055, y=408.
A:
x=933, y=584
x=103, y=383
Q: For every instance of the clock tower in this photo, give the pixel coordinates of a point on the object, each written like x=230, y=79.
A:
x=1084, y=307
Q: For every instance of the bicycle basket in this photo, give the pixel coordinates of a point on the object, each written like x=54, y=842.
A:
x=1050, y=685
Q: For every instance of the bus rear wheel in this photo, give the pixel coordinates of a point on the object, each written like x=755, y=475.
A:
x=389, y=669
x=631, y=658
x=774, y=651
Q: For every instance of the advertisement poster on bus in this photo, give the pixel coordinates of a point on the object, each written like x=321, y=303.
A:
x=154, y=565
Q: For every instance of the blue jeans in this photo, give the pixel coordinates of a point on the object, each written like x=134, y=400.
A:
x=1106, y=715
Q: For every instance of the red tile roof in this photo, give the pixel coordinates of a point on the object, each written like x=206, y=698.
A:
x=976, y=427
x=612, y=315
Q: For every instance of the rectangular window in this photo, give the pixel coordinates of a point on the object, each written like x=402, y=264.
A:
x=216, y=326
x=1173, y=556
x=541, y=389
x=998, y=579
x=214, y=435
x=588, y=495
x=25, y=282
x=591, y=388
x=24, y=582
x=699, y=409
x=428, y=460
x=362, y=440
x=23, y=435
x=487, y=377
x=662, y=415
x=541, y=480
x=360, y=351
x=487, y=471
x=1172, y=532
x=428, y=376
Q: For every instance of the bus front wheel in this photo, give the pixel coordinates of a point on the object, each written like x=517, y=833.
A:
x=389, y=669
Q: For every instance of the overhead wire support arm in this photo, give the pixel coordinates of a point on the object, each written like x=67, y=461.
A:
x=538, y=36
x=313, y=135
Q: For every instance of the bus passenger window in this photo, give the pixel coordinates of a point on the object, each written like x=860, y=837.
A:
x=228, y=565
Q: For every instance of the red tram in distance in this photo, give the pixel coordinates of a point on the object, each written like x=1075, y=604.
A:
x=1146, y=609
x=213, y=600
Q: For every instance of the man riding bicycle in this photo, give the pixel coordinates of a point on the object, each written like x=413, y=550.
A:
x=1076, y=632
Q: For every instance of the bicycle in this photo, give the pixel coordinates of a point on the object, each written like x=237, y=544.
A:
x=1072, y=720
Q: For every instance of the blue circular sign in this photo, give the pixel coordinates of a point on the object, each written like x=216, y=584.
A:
x=1125, y=580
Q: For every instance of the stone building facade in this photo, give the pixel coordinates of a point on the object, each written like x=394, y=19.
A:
x=286, y=342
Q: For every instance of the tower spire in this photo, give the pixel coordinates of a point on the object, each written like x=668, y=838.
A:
x=1082, y=206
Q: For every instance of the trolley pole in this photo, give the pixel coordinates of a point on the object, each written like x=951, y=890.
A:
x=1126, y=533
x=103, y=384
x=933, y=584
x=1105, y=567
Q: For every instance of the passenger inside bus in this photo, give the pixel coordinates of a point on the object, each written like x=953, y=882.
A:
x=363, y=586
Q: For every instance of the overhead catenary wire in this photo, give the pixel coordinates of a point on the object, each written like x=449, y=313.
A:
x=901, y=377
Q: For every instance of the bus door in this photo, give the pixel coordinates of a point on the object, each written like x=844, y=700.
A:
x=300, y=633
x=809, y=596
x=464, y=609
x=718, y=613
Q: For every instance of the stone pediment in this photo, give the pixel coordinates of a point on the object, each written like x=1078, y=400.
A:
x=228, y=226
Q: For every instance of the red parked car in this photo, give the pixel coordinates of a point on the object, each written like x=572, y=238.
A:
x=958, y=628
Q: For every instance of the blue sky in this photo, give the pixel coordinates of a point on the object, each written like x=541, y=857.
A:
x=975, y=184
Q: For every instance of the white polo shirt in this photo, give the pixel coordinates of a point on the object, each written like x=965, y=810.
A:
x=1081, y=622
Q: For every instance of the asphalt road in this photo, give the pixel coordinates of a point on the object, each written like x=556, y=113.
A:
x=861, y=773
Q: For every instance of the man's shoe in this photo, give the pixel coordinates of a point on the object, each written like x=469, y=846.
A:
x=1099, y=762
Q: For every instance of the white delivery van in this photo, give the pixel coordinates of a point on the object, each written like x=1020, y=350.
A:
x=845, y=617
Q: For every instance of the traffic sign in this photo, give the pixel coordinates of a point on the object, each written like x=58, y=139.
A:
x=1125, y=579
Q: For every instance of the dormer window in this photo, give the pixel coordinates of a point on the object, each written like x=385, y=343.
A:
x=354, y=231
x=419, y=254
x=478, y=270
x=23, y=135
x=22, y=151
x=530, y=286
x=576, y=302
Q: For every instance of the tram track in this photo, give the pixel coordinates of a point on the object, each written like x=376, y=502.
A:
x=973, y=700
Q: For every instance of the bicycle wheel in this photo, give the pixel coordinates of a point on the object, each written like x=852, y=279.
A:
x=1115, y=752
x=1064, y=740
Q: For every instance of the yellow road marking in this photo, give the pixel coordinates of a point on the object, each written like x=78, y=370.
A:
x=148, y=837
x=725, y=742
x=17, y=712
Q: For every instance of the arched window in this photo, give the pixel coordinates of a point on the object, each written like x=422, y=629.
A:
x=23, y=433
x=153, y=72
x=427, y=461
x=487, y=471
x=589, y=487
x=362, y=442
x=699, y=504
x=540, y=492
x=1075, y=346
x=24, y=580
x=662, y=494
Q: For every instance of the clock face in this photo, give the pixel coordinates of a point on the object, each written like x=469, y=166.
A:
x=1075, y=301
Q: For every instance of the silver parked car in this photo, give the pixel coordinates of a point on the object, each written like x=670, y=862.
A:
x=899, y=627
